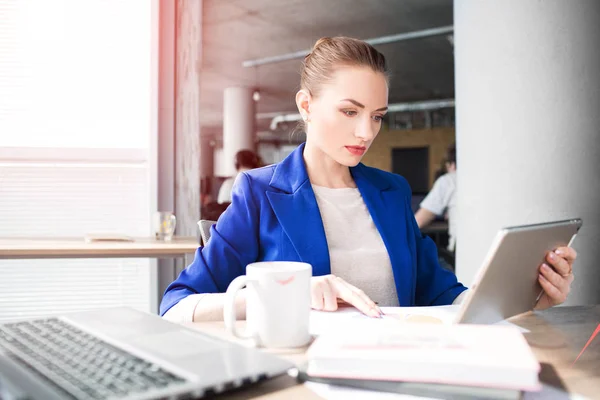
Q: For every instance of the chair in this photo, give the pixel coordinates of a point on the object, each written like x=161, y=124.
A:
x=213, y=210
x=204, y=226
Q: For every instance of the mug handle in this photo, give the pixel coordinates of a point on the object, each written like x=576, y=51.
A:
x=229, y=308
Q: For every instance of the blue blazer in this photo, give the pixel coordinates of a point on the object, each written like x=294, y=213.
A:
x=274, y=216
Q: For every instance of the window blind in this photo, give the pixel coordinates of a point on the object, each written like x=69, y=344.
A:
x=75, y=134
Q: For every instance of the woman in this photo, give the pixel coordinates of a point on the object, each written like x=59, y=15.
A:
x=352, y=223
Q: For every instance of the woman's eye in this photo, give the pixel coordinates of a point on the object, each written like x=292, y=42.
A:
x=349, y=113
x=378, y=118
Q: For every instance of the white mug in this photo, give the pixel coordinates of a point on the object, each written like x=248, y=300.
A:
x=277, y=303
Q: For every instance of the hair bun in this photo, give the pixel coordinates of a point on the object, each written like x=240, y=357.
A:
x=330, y=53
x=321, y=42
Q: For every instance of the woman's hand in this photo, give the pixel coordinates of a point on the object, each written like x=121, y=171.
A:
x=556, y=276
x=326, y=290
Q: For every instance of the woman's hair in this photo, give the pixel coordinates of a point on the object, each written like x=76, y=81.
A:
x=246, y=159
x=328, y=54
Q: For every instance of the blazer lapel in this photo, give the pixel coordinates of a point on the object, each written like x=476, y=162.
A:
x=296, y=209
x=386, y=205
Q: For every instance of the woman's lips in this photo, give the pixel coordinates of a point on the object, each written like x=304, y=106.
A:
x=356, y=150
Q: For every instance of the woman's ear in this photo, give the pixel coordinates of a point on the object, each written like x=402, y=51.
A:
x=303, y=99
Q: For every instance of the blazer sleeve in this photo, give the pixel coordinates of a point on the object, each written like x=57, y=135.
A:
x=233, y=245
x=435, y=286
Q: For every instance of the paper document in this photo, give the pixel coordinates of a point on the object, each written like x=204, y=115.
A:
x=349, y=318
x=332, y=392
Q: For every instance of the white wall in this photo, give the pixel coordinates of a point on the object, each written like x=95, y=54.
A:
x=219, y=164
x=528, y=125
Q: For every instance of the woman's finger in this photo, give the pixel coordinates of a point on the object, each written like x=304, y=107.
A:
x=551, y=291
x=345, y=293
x=568, y=253
x=316, y=295
x=551, y=276
x=560, y=264
x=329, y=297
x=363, y=295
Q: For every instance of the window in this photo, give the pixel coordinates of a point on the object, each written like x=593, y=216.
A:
x=76, y=127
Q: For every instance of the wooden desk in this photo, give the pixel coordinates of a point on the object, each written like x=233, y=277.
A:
x=36, y=248
x=556, y=337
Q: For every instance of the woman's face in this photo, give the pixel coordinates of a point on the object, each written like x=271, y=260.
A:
x=347, y=114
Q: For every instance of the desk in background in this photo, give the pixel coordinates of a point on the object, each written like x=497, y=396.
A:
x=556, y=337
x=39, y=248
x=438, y=230
x=180, y=249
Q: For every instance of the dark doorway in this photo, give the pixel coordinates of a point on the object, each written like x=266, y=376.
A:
x=413, y=164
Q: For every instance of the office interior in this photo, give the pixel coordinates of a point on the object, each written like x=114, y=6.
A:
x=112, y=111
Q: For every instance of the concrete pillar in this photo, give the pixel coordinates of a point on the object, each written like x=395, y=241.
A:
x=528, y=126
x=239, y=130
x=188, y=61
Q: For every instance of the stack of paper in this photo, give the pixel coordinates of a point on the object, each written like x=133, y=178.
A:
x=465, y=355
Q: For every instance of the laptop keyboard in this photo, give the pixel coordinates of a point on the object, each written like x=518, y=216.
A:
x=80, y=364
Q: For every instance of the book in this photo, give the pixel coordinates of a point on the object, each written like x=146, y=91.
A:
x=486, y=356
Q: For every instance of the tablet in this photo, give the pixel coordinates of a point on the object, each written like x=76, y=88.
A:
x=507, y=282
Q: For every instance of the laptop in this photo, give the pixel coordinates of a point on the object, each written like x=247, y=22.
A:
x=121, y=353
x=507, y=283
